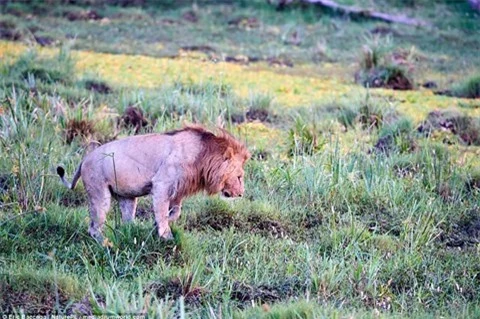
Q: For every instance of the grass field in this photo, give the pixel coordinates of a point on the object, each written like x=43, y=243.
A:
x=360, y=202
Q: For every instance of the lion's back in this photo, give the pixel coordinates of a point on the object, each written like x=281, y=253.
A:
x=134, y=161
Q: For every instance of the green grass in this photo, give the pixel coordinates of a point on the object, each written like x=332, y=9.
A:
x=329, y=226
x=469, y=89
x=161, y=31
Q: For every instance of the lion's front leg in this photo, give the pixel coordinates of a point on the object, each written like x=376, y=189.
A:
x=164, y=189
x=175, y=210
x=161, y=205
x=161, y=219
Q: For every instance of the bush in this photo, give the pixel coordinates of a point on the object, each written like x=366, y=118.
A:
x=382, y=67
x=470, y=89
x=304, y=139
x=30, y=68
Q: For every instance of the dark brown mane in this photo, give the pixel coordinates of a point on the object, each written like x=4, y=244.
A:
x=223, y=140
x=209, y=169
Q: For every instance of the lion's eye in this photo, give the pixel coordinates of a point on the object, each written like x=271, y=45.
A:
x=239, y=178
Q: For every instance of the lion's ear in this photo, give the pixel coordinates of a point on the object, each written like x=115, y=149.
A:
x=228, y=153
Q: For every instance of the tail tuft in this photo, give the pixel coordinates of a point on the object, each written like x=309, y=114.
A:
x=60, y=171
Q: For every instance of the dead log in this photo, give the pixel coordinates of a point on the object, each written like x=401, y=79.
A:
x=364, y=13
x=475, y=4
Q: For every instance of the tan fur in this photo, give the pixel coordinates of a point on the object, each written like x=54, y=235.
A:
x=168, y=166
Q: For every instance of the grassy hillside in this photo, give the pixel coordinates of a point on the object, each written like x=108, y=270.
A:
x=361, y=202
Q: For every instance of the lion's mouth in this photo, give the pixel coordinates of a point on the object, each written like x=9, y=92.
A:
x=229, y=194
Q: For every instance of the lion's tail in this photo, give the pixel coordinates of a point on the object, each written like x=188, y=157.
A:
x=61, y=173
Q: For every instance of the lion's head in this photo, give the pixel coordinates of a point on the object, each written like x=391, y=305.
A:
x=232, y=185
x=223, y=162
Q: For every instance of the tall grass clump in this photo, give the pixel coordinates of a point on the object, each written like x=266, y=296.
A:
x=31, y=70
x=115, y=299
x=380, y=66
x=368, y=112
x=397, y=136
x=26, y=137
x=469, y=89
x=304, y=138
x=204, y=102
x=45, y=291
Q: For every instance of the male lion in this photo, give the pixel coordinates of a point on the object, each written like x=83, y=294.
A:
x=168, y=166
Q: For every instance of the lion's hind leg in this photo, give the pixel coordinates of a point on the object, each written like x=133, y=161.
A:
x=128, y=206
x=99, y=205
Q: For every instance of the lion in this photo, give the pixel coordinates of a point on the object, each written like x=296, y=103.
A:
x=168, y=166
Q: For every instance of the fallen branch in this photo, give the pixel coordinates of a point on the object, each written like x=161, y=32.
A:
x=365, y=13
x=475, y=4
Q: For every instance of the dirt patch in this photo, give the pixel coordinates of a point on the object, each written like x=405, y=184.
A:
x=237, y=118
x=438, y=120
x=384, y=144
x=217, y=221
x=473, y=183
x=466, y=128
x=144, y=212
x=384, y=30
x=280, y=62
x=389, y=78
x=381, y=221
x=5, y=182
x=176, y=288
x=266, y=293
x=98, y=87
x=393, y=70
x=74, y=199
x=44, y=40
x=267, y=227
x=84, y=307
x=190, y=16
x=388, y=144
x=79, y=128
x=464, y=233
x=312, y=220
x=244, y=22
x=224, y=219
x=32, y=302
x=8, y=31
x=430, y=85
x=133, y=118
x=200, y=48
x=253, y=114
x=257, y=115
x=83, y=15
x=170, y=22
x=238, y=59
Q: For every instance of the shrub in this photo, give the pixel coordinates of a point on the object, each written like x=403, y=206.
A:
x=382, y=67
x=465, y=127
x=469, y=89
x=304, y=139
x=30, y=67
